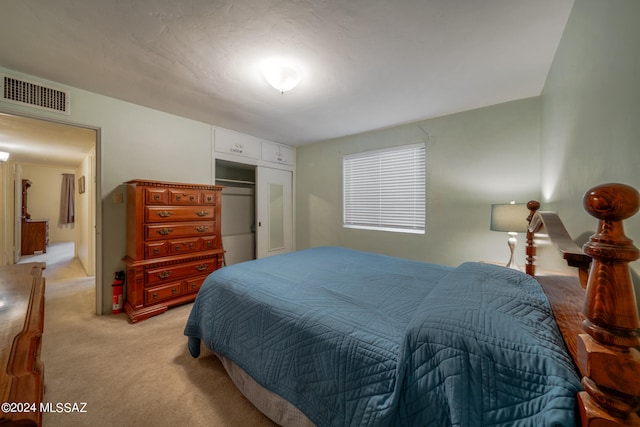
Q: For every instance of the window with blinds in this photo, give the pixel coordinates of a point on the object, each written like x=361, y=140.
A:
x=385, y=189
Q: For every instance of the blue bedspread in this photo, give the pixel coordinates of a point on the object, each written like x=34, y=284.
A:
x=359, y=339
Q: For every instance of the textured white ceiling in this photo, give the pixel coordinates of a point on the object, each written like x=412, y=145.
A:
x=368, y=64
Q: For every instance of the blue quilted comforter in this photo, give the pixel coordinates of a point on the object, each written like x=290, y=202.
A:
x=359, y=339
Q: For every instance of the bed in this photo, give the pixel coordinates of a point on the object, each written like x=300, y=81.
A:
x=332, y=336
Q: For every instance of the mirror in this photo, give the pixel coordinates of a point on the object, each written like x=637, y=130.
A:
x=276, y=216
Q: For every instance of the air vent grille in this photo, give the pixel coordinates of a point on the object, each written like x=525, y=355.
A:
x=35, y=95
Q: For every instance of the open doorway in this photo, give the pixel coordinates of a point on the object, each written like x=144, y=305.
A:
x=41, y=151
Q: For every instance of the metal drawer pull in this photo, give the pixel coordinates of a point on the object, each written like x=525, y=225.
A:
x=165, y=214
x=165, y=231
x=173, y=291
x=202, y=213
x=202, y=228
x=202, y=267
x=155, y=295
x=164, y=274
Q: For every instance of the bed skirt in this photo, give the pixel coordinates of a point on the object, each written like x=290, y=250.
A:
x=270, y=404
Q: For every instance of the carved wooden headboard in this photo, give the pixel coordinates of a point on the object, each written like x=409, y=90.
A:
x=606, y=350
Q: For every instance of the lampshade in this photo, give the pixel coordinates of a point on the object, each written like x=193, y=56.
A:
x=282, y=75
x=4, y=156
x=509, y=217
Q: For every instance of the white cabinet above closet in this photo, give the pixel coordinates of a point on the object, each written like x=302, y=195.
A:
x=238, y=144
x=235, y=146
x=277, y=153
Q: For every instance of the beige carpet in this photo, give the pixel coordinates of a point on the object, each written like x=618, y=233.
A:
x=127, y=374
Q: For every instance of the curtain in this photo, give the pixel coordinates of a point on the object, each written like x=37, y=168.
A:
x=67, y=199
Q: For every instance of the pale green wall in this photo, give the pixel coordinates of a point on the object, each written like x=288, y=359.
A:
x=474, y=159
x=591, y=112
x=135, y=142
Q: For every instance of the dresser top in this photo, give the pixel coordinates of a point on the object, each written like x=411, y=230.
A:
x=152, y=183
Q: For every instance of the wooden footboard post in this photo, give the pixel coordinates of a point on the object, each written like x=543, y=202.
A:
x=533, y=207
x=607, y=353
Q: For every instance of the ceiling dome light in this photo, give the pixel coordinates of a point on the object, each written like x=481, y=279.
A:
x=4, y=156
x=281, y=74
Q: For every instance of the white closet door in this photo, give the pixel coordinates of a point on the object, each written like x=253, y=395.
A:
x=274, y=212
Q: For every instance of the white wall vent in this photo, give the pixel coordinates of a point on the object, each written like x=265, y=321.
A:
x=35, y=95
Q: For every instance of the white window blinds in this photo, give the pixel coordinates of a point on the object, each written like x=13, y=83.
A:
x=385, y=189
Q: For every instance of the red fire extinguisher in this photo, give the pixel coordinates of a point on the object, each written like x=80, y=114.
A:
x=118, y=283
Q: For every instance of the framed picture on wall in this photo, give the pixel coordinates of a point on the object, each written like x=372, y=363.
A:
x=81, y=184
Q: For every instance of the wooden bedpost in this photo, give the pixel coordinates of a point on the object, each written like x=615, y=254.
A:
x=607, y=353
x=533, y=207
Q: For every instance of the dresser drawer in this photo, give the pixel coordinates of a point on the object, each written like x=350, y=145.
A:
x=210, y=197
x=178, y=213
x=179, y=230
x=184, y=197
x=161, y=293
x=185, y=246
x=209, y=242
x=170, y=273
x=193, y=284
x=156, y=249
x=180, y=246
x=157, y=196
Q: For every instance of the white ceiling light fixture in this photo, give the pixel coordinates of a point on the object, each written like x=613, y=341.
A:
x=282, y=74
x=4, y=156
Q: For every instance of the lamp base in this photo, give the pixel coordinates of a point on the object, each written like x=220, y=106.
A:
x=512, y=242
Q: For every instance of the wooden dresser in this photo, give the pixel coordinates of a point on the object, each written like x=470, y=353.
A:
x=35, y=233
x=21, y=326
x=173, y=243
x=35, y=237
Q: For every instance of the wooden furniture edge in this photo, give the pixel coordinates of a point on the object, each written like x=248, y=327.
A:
x=27, y=373
x=606, y=354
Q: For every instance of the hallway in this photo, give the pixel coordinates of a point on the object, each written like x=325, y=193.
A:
x=64, y=273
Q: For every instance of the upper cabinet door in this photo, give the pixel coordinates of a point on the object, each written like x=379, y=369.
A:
x=230, y=142
x=278, y=153
x=274, y=212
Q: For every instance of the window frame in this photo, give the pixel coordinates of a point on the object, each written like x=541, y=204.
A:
x=360, y=210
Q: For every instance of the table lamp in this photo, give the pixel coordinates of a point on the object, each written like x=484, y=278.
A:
x=511, y=218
